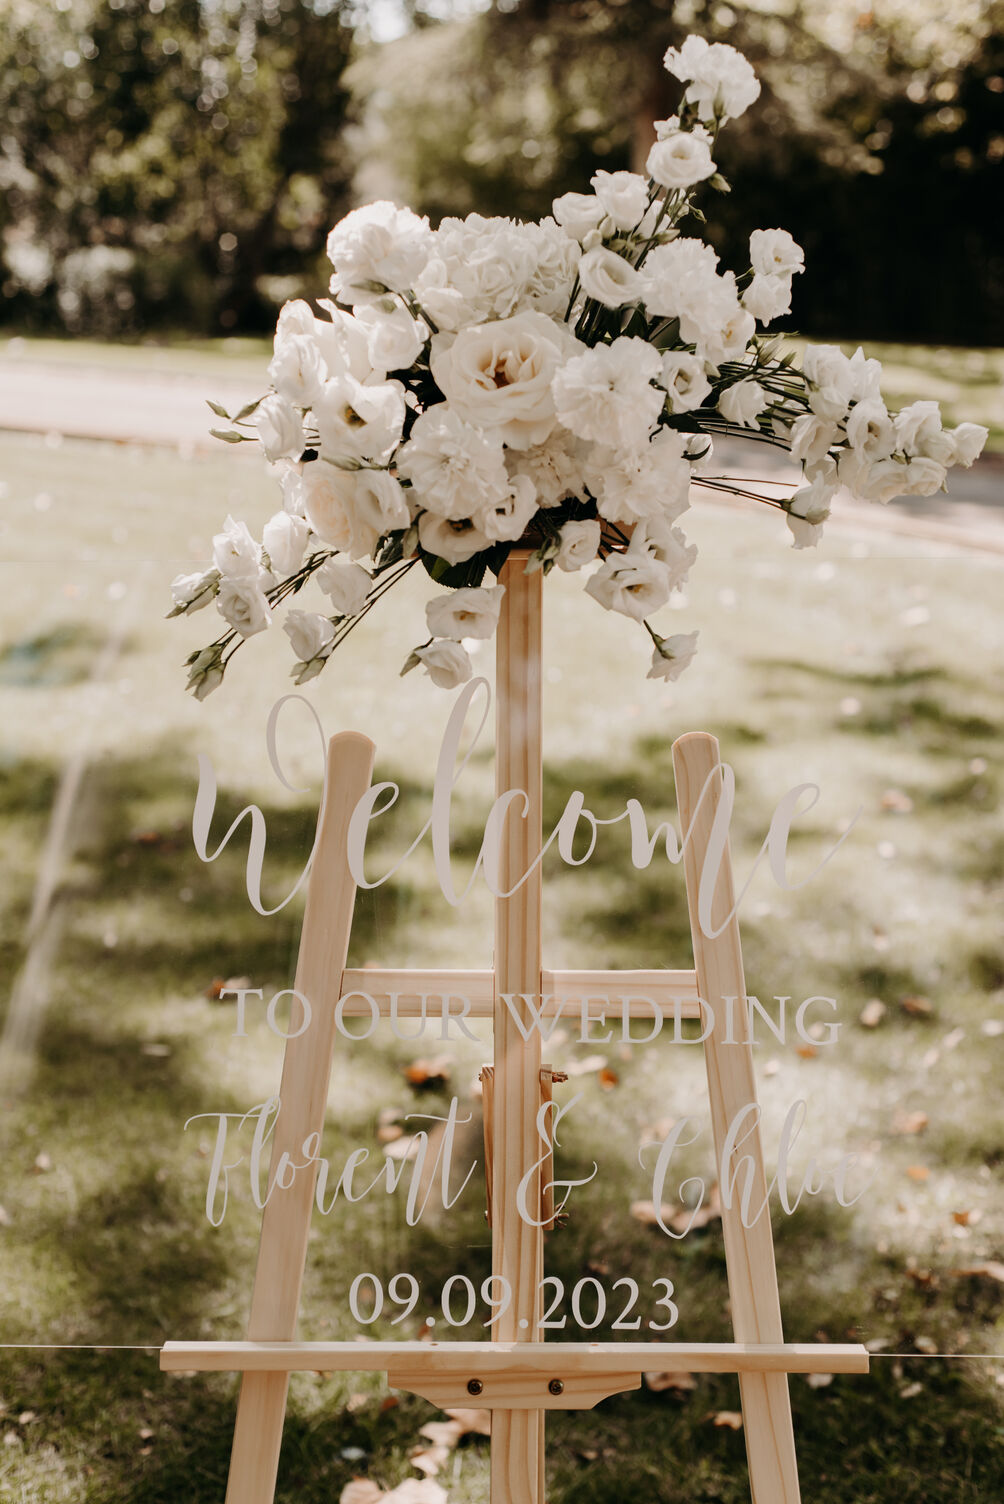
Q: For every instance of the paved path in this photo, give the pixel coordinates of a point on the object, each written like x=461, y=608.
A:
x=123, y=404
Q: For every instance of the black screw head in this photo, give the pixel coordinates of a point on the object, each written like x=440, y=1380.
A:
x=555, y=1386
x=474, y=1386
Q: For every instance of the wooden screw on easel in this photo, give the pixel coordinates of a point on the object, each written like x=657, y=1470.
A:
x=517, y=1376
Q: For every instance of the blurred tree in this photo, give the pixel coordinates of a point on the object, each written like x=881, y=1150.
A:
x=878, y=138
x=167, y=162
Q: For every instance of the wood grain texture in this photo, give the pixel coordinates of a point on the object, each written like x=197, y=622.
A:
x=477, y=1359
x=303, y=1095
x=517, y=1452
x=749, y=1252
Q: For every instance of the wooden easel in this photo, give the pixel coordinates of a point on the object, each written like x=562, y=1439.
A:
x=514, y=1375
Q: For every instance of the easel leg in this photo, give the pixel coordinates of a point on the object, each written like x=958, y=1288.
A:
x=749, y=1251
x=517, y=1452
x=303, y=1095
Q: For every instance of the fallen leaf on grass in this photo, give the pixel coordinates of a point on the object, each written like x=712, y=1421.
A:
x=608, y=1078
x=389, y=1402
x=219, y=985
x=925, y=1278
x=145, y=1434
x=679, y=1383
x=807, y=1051
x=872, y=1013
x=429, y=1460
x=356, y=1402
x=918, y=1172
x=43, y=1163
x=730, y=1418
x=911, y=1391
x=897, y=802
x=967, y=1219
x=990, y=1270
x=909, y=1122
x=428, y=1075
x=918, y=1007
x=681, y=1219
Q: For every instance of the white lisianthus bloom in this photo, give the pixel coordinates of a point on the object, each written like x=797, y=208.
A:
x=453, y=539
x=774, y=253
x=804, y=534
x=767, y=297
x=831, y=380
x=924, y=476
x=579, y=545
x=297, y=368
x=680, y=160
x=730, y=340
x=636, y=585
x=345, y=584
x=498, y=376
x=918, y=431
x=378, y=243
x=657, y=539
x=471, y=612
x=379, y=501
x=866, y=377
x=447, y=663
x=870, y=429
x=453, y=467
x=190, y=592
x=684, y=379
x=235, y=553
x=578, y=213
x=633, y=484
x=623, y=196
x=284, y=538
x=506, y=520
x=673, y=274
x=243, y=605
x=672, y=655
x=394, y=339
x=359, y=421
x=811, y=438
x=343, y=342
x=812, y=502
x=968, y=440
x=881, y=480
x=606, y=393
x=609, y=278
x=295, y=317
x=742, y=403
x=279, y=427
x=308, y=632
x=552, y=270
x=720, y=82
x=484, y=269
x=553, y=468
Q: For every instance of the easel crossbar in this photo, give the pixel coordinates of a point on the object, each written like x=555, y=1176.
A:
x=497, y=1358
x=673, y=993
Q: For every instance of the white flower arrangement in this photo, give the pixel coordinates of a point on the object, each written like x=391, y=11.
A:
x=555, y=386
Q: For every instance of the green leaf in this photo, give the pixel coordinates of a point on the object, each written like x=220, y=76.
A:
x=246, y=410
x=456, y=576
x=412, y=661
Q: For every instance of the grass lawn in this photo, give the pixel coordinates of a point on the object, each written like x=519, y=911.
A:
x=870, y=667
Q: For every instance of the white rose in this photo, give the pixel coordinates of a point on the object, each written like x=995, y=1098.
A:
x=768, y=297
x=672, y=655
x=472, y=612
x=242, y=604
x=453, y=539
x=968, y=440
x=235, y=552
x=680, y=160
x=831, y=380
x=308, y=632
x=773, y=253
x=297, y=368
x=394, y=339
x=329, y=498
x=498, y=376
x=870, y=429
x=805, y=534
x=623, y=196
x=284, y=538
x=279, y=428
x=606, y=393
x=454, y=467
x=578, y=213
x=357, y=420
x=580, y=542
x=193, y=591
x=811, y=437
x=447, y=663
x=507, y=519
x=924, y=476
x=684, y=378
x=633, y=584
x=345, y=584
x=742, y=403
x=609, y=278
x=377, y=243
x=720, y=81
